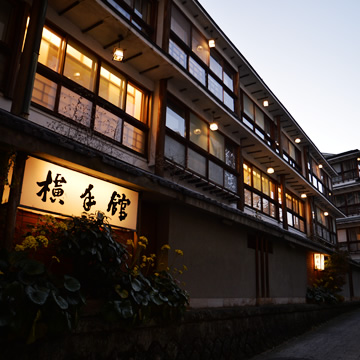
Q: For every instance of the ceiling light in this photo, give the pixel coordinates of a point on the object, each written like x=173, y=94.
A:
x=266, y=103
x=298, y=140
x=270, y=170
x=326, y=213
x=211, y=43
x=197, y=131
x=303, y=195
x=320, y=166
x=118, y=54
x=213, y=126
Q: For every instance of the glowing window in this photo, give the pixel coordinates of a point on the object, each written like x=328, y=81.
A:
x=80, y=67
x=50, y=50
x=134, y=102
x=112, y=87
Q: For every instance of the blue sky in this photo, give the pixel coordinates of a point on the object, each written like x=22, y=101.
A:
x=308, y=54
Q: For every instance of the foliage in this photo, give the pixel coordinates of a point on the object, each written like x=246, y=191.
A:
x=327, y=288
x=37, y=297
x=34, y=301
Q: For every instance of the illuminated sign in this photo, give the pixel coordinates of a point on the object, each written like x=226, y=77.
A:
x=53, y=188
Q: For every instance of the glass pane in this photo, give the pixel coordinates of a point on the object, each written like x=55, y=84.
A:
x=228, y=101
x=196, y=162
x=265, y=185
x=216, y=67
x=134, y=102
x=112, y=86
x=256, y=179
x=256, y=201
x=197, y=71
x=248, y=107
x=247, y=174
x=180, y=25
x=216, y=173
x=75, y=107
x=50, y=49
x=228, y=81
x=175, y=120
x=133, y=138
x=302, y=226
x=230, y=181
x=200, y=46
x=215, y=87
x=259, y=118
x=230, y=156
x=272, y=210
x=198, y=132
x=272, y=189
x=266, y=207
x=44, y=92
x=247, y=197
x=178, y=54
x=292, y=152
x=217, y=145
x=80, y=66
x=4, y=18
x=108, y=123
x=288, y=201
x=174, y=151
x=290, y=219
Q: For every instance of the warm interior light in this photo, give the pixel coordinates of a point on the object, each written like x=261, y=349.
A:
x=211, y=43
x=270, y=170
x=320, y=166
x=266, y=103
x=298, y=140
x=358, y=159
x=303, y=195
x=319, y=261
x=197, y=131
x=326, y=213
x=118, y=54
x=214, y=126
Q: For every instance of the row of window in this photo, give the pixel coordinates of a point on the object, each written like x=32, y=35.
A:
x=319, y=179
x=263, y=194
x=191, y=50
x=347, y=170
x=190, y=143
x=349, y=203
x=69, y=79
x=325, y=226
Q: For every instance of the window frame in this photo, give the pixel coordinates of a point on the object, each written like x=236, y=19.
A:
x=191, y=146
x=189, y=54
x=61, y=81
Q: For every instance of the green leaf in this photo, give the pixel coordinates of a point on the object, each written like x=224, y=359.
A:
x=36, y=295
x=60, y=301
x=32, y=267
x=71, y=284
x=136, y=285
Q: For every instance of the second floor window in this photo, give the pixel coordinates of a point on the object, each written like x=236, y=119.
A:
x=190, y=49
x=76, y=84
x=191, y=144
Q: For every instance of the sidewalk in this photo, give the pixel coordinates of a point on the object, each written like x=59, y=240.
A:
x=337, y=339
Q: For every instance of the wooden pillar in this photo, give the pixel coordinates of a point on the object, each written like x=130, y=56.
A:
x=240, y=180
x=283, y=201
x=237, y=107
x=279, y=135
x=160, y=134
x=257, y=287
x=26, y=76
x=166, y=25
x=14, y=200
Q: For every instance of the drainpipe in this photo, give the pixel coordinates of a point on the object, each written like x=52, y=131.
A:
x=29, y=59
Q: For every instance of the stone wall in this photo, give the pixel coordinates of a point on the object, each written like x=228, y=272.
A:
x=227, y=333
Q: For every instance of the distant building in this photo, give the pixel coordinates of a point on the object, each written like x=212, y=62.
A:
x=146, y=111
x=347, y=199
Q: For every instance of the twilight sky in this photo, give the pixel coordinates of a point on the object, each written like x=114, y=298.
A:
x=308, y=54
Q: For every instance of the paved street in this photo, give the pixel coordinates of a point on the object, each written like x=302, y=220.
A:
x=337, y=339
